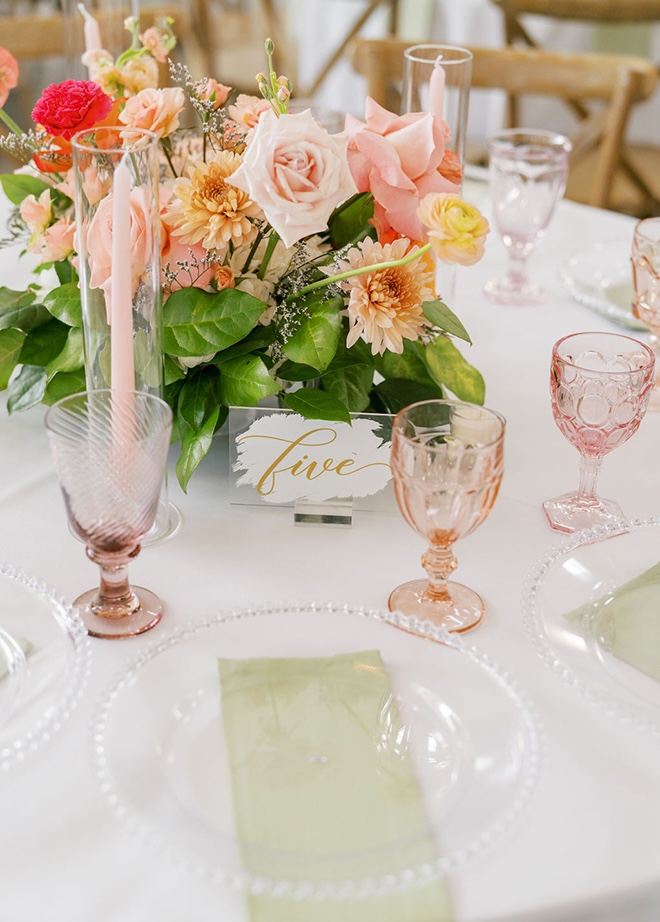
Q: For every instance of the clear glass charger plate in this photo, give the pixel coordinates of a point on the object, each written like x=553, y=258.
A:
x=600, y=278
x=44, y=663
x=585, y=568
x=161, y=759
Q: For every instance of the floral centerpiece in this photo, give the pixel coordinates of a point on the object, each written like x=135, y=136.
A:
x=294, y=262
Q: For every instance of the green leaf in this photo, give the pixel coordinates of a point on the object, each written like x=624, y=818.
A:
x=316, y=339
x=260, y=338
x=197, y=412
x=397, y=393
x=17, y=309
x=410, y=364
x=197, y=322
x=244, y=381
x=443, y=317
x=350, y=376
x=65, y=271
x=350, y=222
x=27, y=388
x=11, y=343
x=315, y=404
x=18, y=186
x=451, y=370
x=72, y=356
x=62, y=384
x=291, y=371
x=172, y=372
x=44, y=343
x=65, y=304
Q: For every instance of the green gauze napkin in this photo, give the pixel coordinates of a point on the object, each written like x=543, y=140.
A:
x=320, y=768
x=626, y=621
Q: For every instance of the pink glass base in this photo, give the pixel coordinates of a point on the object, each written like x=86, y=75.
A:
x=146, y=616
x=463, y=611
x=566, y=513
x=504, y=291
x=654, y=399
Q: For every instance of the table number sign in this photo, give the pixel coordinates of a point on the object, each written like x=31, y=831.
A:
x=324, y=469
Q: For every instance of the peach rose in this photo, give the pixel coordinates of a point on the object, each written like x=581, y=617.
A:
x=211, y=90
x=248, y=109
x=8, y=74
x=57, y=241
x=155, y=110
x=296, y=172
x=36, y=212
x=399, y=159
x=456, y=230
x=99, y=241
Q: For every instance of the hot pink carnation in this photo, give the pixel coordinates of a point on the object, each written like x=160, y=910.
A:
x=399, y=159
x=8, y=74
x=65, y=108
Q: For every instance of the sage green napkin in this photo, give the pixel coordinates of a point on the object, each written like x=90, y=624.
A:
x=320, y=769
x=626, y=621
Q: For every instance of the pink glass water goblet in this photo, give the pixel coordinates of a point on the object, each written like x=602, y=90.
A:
x=447, y=463
x=600, y=385
x=645, y=261
x=528, y=171
x=110, y=453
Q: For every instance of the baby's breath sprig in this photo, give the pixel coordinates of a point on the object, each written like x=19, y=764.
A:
x=277, y=90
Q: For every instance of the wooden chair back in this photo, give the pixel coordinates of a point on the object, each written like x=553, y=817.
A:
x=611, y=82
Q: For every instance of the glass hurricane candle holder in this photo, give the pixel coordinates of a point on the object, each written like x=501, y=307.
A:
x=447, y=464
x=110, y=451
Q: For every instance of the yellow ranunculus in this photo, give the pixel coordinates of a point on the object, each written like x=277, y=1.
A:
x=456, y=230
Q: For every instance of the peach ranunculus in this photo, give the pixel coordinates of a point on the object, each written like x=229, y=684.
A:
x=247, y=110
x=155, y=110
x=400, y=159
x=296, y=172
x=99, y=241
x=8, y=74
x=456, y=230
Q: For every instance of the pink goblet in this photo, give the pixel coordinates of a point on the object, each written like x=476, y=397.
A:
x=645, y=261
x=110, y=452
x=600, y=385
x=447, y=463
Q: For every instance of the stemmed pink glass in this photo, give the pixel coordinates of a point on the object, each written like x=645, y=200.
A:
x=528, y=171
x=600, y=385
x=110, y=452
x=447, y=463
x=645, y=260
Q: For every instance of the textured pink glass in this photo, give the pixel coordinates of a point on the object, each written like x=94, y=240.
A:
x=110, y=452
x=645, y=261
x=600, y=385
x=447, y=463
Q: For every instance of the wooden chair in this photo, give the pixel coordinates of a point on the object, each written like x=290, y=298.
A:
x=611, y=14
x=612, y=82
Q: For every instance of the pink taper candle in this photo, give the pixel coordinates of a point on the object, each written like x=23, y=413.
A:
x=91, y=29
x=122, y=360
x=437, y=89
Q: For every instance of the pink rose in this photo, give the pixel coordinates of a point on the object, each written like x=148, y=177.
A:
x=399, y=159
x=296, y=172
x=8, y=74
x=99, y=241
x=155, y=110
x=211, y=90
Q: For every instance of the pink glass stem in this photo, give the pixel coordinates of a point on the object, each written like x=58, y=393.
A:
x=589, y=469
x=439, y=562
x=115, y=598
x=517, y=270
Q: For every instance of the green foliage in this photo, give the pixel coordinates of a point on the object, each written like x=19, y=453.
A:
x=197, y=322
x=18, y=186
x=315, y=341
x=316, y=404
x=450, y=369
x=198, y=411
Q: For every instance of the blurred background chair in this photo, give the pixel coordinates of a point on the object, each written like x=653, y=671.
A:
x=617, y=26
x=607, y=85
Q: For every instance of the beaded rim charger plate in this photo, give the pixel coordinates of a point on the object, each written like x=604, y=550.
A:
x=600, y=278
x=161, y=760
x=44, y=664
x=587, y=568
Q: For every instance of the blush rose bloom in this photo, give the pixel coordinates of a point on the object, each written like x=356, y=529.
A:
x=57, y=241
x=248, y=109
x=296, y=172
x=8, y=74
x=400, y=159
x=456, y=230
x=99, y=241
x=71, y=106
x=155, y=110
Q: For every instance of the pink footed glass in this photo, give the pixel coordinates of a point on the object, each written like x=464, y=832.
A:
x=600, y=384
x=645, y=260
x=447, y=464
x=110, y=452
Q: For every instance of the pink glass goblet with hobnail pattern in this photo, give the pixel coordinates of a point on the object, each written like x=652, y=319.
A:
x=110, y=452
x=447, y=462
x=600, y=384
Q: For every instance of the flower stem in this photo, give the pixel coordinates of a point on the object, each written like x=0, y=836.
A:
x=166, y=150
x=10, y=123
x=270, y=249
x=350, y=273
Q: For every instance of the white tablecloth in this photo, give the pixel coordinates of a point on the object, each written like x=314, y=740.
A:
x=588, y=849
